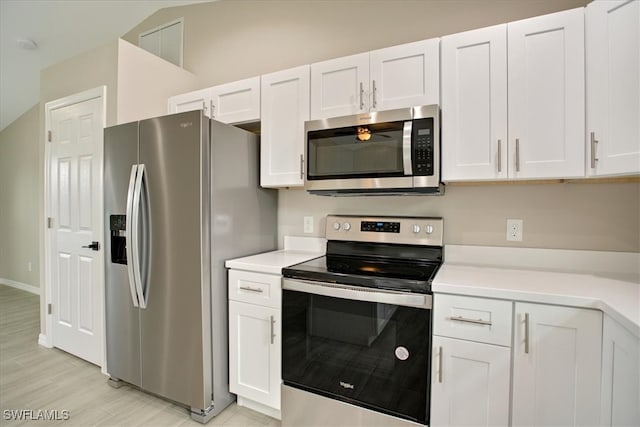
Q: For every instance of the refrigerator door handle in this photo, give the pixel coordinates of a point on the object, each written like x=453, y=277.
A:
x=135, y=242
x=129, y=234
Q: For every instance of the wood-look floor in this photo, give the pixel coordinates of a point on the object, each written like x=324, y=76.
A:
x=39, y=379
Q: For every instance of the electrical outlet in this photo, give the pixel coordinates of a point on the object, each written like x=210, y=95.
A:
x=308, y=224
x=514, y=230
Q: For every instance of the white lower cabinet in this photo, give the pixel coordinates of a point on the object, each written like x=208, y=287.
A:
x=556, y=366
x=255, y=371
x=620, y=376
x=254, y=350
x=471, y=361
x=470, y=383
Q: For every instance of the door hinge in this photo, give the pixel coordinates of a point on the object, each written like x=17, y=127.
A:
x=49, y=222
x=49, y=136
x=49, y=308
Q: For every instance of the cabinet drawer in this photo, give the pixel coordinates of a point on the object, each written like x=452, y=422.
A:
x=255, y=288
x=473, y=319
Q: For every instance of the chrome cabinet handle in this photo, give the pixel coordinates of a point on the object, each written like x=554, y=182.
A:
x=440, y=364
x=273, y=333
x=361, y=96
x=375, y=102
x=517, y=155
x=248, y=288
x=467, y=320
x=302, y=167
x=204, y=108
x=526, y=333
x=213, y=109
x=499, y=155
x=594, y=141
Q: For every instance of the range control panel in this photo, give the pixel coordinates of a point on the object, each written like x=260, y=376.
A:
x=426, y=231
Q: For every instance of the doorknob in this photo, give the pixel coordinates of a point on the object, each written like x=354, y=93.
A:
x=94, y=245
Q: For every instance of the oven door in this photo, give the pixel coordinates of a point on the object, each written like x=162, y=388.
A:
x=365, y=347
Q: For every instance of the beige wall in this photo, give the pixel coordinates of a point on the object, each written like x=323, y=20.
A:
x=230, y=40
x=603, y=216
x=20, y=199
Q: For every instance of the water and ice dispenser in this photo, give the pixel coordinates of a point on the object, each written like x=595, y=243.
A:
x=117, y=225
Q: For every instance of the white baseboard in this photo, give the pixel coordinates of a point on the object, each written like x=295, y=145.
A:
x=42, y=340
x=22, y=286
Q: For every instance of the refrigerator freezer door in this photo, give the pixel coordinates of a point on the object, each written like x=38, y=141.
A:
x=176, y=323
x=122, y=317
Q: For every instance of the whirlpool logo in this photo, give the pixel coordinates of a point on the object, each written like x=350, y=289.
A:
x=346, y=385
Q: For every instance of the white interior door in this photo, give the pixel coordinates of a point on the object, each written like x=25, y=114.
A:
x=75, y=127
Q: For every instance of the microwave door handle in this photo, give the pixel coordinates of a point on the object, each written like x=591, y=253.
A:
x=406, y=148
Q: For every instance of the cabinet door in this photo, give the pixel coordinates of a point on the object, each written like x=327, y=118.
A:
x=236, y=102
x=196, y=100
x=285, y=108
x=405, y=76
x=474, y=105
x=340, y=87
x=556, y=368
x=254, y=353
x=620, y=376
x=469, y=383
x=546, y=96
x=613, y=87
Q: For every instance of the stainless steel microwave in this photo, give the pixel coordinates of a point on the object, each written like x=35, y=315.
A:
x=377, y=153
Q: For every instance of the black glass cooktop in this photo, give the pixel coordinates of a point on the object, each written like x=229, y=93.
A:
x=381, y=266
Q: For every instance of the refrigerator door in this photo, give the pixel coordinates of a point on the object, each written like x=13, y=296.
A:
x=176, y=323
x=122, y=316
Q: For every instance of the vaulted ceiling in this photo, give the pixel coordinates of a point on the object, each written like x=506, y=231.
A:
x=60, y=29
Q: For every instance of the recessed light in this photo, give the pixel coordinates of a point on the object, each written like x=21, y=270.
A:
x=26, y=43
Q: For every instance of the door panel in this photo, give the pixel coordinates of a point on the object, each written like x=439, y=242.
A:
x=75, y=205
x=122, y=318
x=173, y=328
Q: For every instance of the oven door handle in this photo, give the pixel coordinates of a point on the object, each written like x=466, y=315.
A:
x=359, y=293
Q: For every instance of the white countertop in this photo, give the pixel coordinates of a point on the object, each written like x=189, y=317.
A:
x=296, y=250
x=618, y=297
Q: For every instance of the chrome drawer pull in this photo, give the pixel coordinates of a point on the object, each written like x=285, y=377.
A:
x=440, y=365
x=526, y=333
x=273, y=333
x=247, y=288
x=465, y=320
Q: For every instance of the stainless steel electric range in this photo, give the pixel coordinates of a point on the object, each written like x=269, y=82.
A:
x=356, y=325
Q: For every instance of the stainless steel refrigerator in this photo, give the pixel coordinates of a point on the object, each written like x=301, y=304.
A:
x=181, y=196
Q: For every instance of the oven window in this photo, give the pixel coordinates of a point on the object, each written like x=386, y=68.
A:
x=368, y=354
x=356, y=152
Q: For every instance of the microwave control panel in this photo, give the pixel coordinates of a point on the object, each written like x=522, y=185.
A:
x=422, y=146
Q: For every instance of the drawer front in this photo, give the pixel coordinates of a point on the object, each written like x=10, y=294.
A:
x=473, y=319
x=255, y=288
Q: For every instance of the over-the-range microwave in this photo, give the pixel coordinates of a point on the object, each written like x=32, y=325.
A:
x=377, y=153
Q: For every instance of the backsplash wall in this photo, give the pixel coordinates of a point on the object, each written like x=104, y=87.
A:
x=590, y=216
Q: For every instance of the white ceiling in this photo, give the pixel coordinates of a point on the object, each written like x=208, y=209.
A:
x=61, y=29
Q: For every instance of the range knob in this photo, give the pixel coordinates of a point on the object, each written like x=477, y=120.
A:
x=428, y=229
x=346, y=226
x=416, y=228
x=336, y=226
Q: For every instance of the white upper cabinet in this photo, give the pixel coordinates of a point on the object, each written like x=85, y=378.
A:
x=340, y=87
x=405, y=76
x=546, y=96
x=613, y=87
x=474, y=104
x=556, y=366
x=236, y=102
x=196, y=100
x=285, y=108
x=401, y=76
